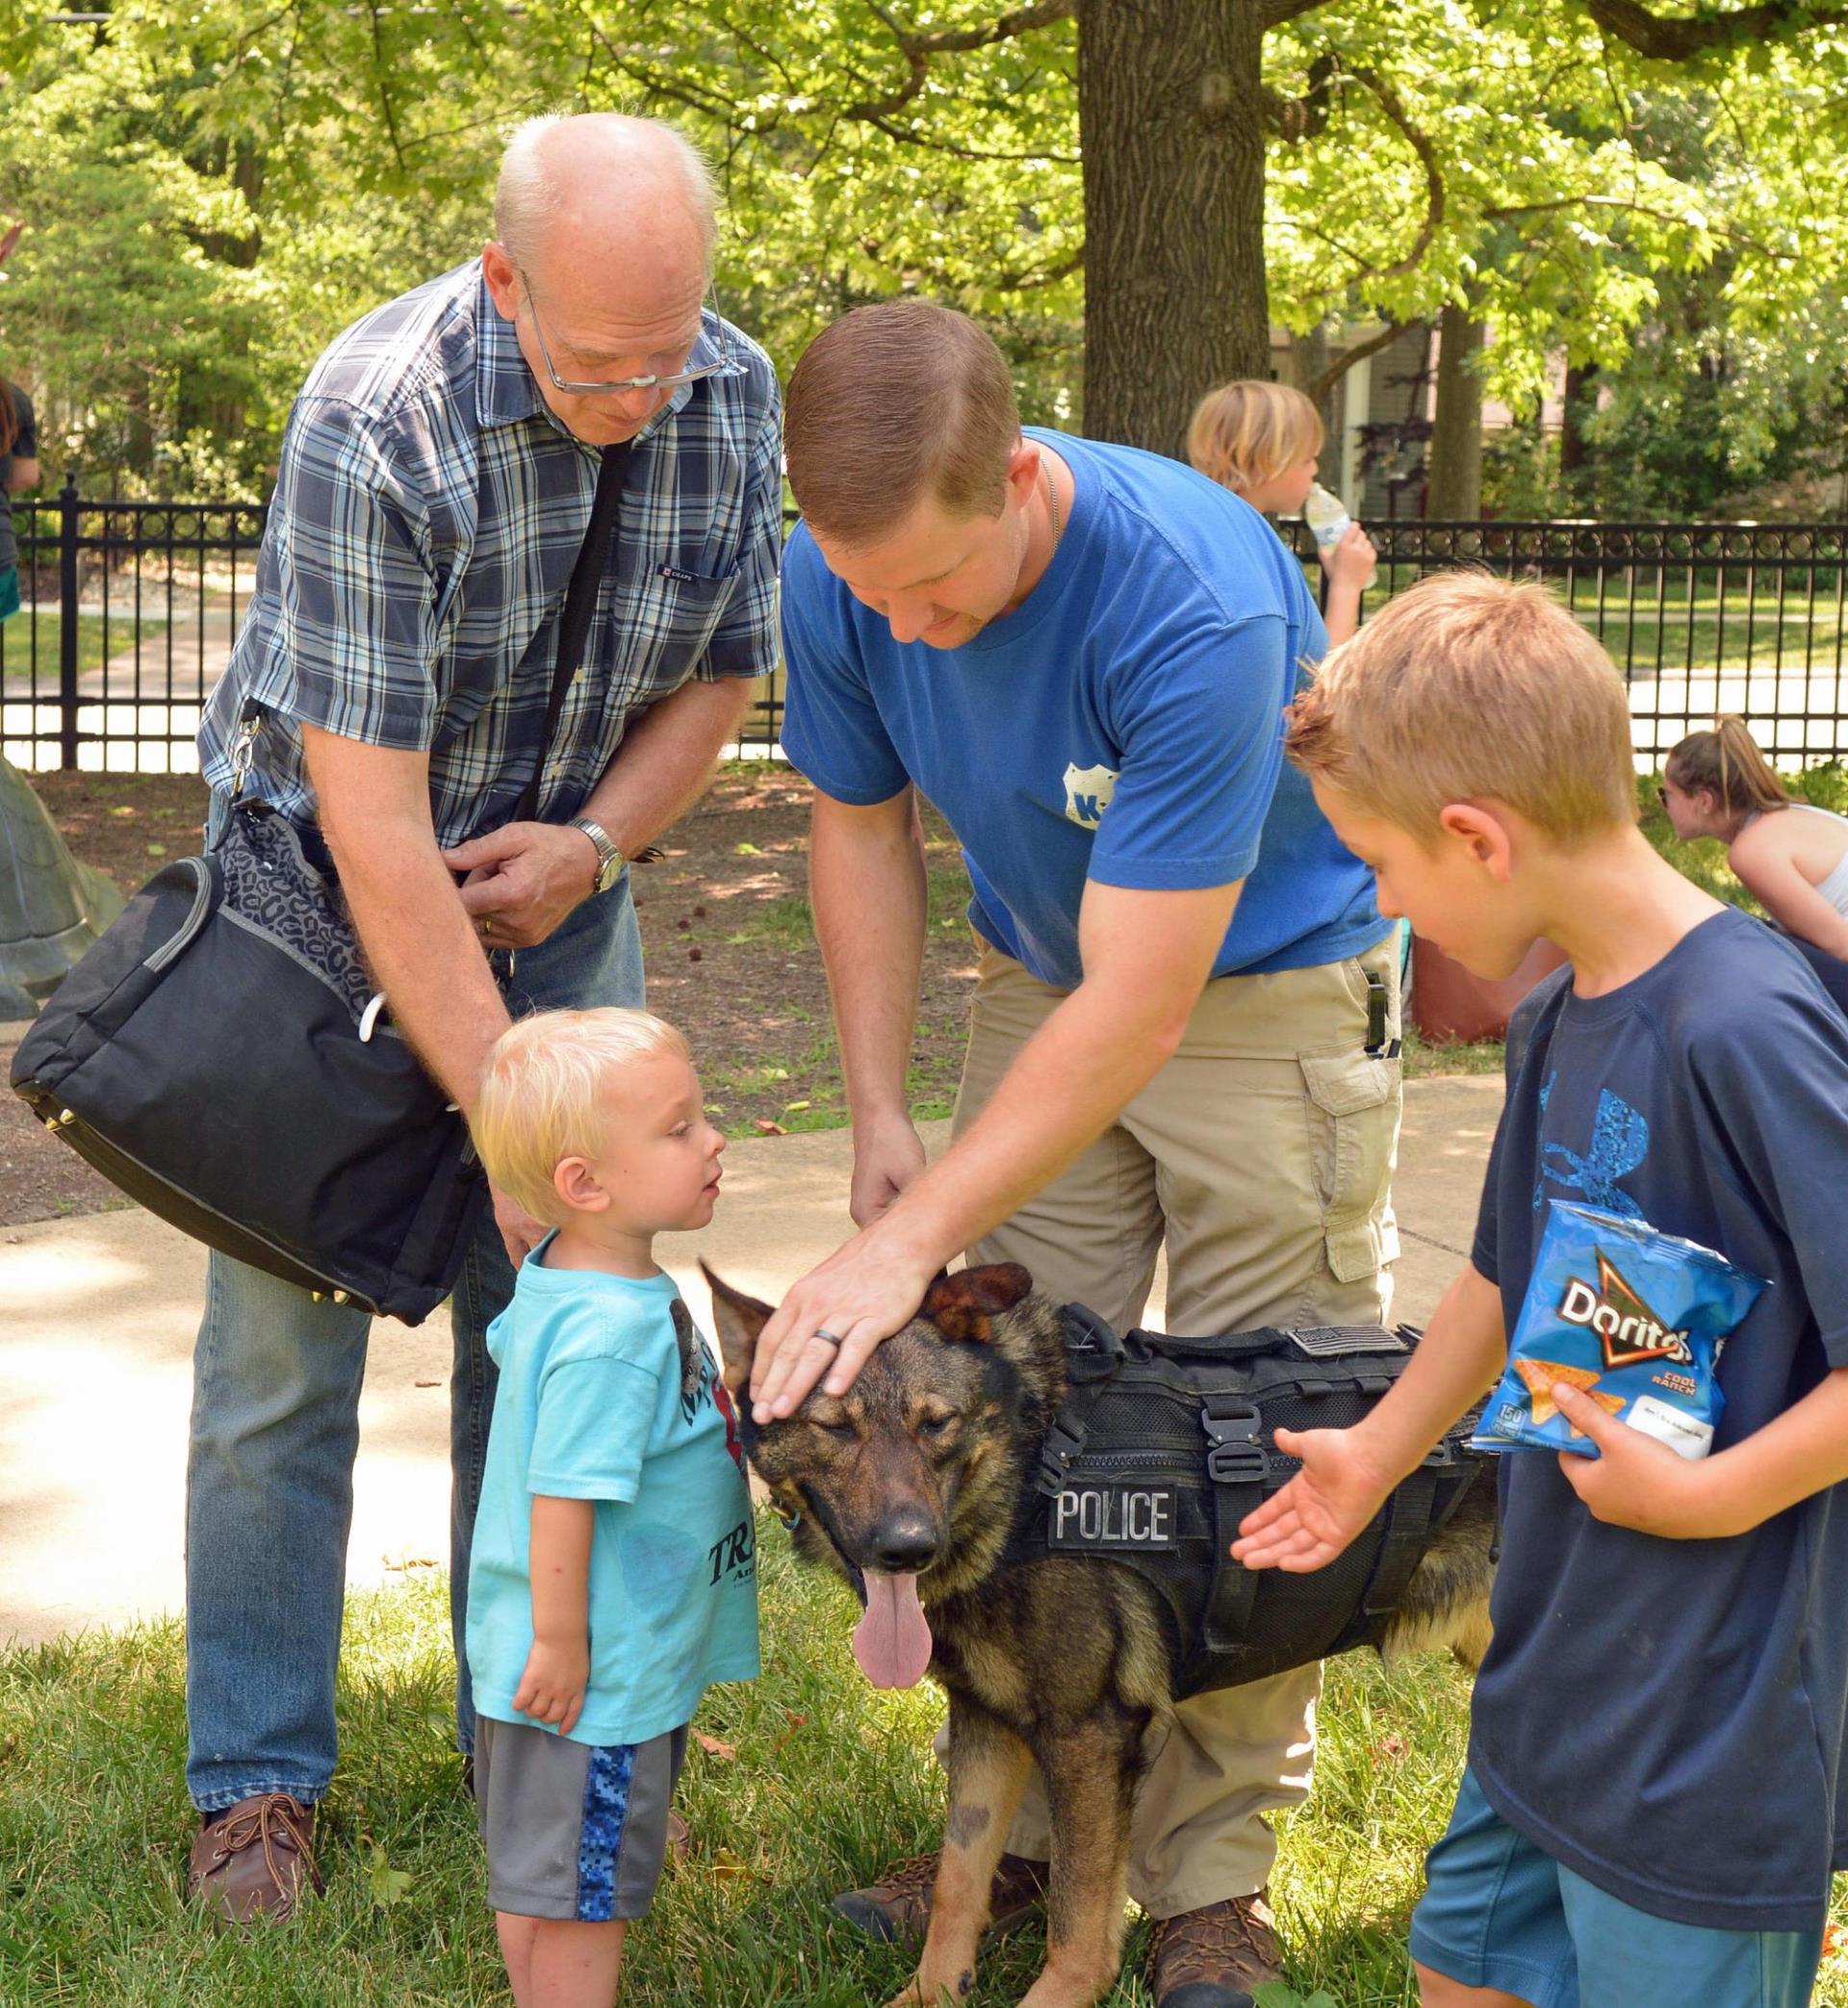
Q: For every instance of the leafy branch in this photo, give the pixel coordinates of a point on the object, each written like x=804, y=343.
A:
x=1678, y=38
x=1416, y=138
x=1320, y=386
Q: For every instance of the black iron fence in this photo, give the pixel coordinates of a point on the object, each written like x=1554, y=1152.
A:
x=131, y=609
x=1699, y=617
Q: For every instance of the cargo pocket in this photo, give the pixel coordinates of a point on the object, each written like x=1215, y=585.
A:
x=1353, y=1135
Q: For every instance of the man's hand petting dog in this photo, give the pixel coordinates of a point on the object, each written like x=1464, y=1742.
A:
x=524, y=878
x=1325, y=1507
x=832, y=1321
x=552, y=1686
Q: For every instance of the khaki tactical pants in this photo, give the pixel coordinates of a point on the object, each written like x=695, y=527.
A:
x=1262, y=1154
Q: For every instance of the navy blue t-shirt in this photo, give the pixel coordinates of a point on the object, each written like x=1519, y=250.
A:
x=1666, y=1717
x=1123, y=724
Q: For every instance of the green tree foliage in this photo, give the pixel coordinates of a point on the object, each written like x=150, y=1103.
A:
x=1740, y=373
x=214, y=189
x=210, y=192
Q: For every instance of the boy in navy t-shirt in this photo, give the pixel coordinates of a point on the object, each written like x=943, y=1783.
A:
x=1651, y=1811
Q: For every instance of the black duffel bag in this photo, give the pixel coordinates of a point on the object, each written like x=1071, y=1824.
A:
x=1165, y=1444
x=218, y=1056
x=221, y=1056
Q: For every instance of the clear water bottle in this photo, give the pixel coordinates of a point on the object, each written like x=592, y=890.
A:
x=1329, y=521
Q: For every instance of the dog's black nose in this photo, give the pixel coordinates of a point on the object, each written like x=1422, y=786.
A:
x=905, y=1541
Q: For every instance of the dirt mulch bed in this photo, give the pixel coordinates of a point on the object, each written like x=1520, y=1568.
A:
x=731, y=958
x=126, y=824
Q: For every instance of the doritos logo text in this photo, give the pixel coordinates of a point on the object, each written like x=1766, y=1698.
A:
x=1627, y=1328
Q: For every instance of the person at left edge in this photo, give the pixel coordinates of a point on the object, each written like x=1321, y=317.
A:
x=436, y=483
x=18, y=470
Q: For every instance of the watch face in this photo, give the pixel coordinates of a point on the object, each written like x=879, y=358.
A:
x=608, y=873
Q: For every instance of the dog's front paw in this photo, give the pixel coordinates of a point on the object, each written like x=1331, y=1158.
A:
x=929, y=1989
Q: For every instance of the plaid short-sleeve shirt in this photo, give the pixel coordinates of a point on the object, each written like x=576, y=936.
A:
x=428, y=514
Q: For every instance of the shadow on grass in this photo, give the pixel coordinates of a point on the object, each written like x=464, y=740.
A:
x=830, y=1781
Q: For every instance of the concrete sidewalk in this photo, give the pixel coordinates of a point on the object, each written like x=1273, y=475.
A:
x=95, y=1363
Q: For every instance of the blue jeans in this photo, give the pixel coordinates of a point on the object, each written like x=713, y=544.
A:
x=275, y=1427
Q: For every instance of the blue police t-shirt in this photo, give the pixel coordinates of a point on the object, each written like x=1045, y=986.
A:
x=607, y=1393
x=1666, y=1717
x=1122, y=724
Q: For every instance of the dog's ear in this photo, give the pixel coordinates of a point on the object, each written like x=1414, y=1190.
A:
x=738, y=1319
x=960, y=1306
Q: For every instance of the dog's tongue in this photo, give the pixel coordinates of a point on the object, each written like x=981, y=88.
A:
x=892, y=1641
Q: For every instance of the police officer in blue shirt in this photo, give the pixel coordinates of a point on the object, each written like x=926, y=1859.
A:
x=1185, y=1026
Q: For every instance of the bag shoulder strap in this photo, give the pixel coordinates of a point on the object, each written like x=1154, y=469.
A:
x=580, y=598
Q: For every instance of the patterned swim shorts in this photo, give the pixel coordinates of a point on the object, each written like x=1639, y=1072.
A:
x=573, y=1830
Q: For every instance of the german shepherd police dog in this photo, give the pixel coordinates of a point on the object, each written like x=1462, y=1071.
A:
x=909, y=1487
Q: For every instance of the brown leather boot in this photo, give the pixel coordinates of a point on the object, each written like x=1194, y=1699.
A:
x=896, y=1910
x=1214, y=1957
x=254, y=1863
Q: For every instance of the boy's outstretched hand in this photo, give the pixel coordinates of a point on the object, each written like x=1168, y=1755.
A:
x=1326, y=1506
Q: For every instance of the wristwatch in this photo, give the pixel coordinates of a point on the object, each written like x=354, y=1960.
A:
x=609, y=860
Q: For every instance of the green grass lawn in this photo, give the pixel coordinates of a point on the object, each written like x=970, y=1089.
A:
x=1668, y=624
x=810, y=1780
x=94, y=647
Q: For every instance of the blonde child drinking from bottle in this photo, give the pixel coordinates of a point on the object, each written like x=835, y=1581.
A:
x=1261, y=440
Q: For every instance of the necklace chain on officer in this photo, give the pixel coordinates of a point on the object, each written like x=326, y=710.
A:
x=1052, y=503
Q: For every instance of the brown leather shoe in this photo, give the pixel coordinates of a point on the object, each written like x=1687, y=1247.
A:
x=254, y=1863
x=896, y=1910
x=1214, y=1957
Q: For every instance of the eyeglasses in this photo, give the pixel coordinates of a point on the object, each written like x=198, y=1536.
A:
x=728, y=364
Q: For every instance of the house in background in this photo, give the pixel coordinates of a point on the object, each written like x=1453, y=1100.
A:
x=1388, y=401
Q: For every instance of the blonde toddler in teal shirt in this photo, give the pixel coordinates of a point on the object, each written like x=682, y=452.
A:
x=613, y=1575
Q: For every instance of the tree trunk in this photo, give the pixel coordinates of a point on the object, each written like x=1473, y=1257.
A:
x=1580, y=401
x=1454, y=492
x=1305, y=365
x=1169, y=107
x=204, y=405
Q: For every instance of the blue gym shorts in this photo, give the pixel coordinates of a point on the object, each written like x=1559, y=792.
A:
x=573, y=1830
x=1498, y=1913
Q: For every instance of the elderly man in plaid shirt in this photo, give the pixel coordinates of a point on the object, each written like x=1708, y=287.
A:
x=436, y=485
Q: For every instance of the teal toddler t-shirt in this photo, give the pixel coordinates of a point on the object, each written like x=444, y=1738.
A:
x=608, y=1394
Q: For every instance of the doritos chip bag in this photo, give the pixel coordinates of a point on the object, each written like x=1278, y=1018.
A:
x=1635, y=1318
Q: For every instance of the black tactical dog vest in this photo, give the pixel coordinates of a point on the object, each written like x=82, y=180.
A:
x=1165, y=1444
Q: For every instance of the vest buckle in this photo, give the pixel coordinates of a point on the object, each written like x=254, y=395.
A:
x=1234, y=1455
x=1064, y=1443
